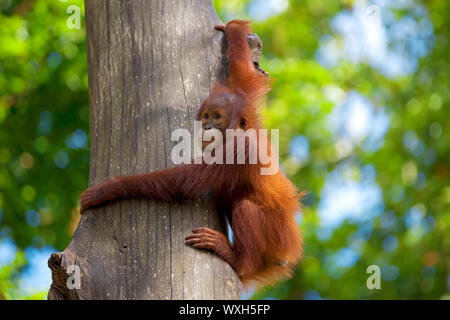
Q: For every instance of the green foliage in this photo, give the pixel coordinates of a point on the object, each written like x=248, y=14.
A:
x=43, y=100
x=9, y=274
x=44, y=155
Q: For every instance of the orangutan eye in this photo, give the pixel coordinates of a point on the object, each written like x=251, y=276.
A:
x=243, y=123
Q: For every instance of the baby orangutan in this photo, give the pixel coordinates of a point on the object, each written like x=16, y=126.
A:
x=260, y=208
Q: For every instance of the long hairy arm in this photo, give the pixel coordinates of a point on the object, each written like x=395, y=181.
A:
x=243, y=75
x=183, y=182
x=248, y=237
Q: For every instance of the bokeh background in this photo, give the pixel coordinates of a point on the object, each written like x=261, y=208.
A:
x=360, y=98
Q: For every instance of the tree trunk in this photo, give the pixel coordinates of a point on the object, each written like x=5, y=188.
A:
x=151, y=64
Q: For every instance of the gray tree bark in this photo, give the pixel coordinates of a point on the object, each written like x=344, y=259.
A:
x=151, y=64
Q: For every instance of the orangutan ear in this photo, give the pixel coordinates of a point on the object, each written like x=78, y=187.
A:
x=243, y=123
